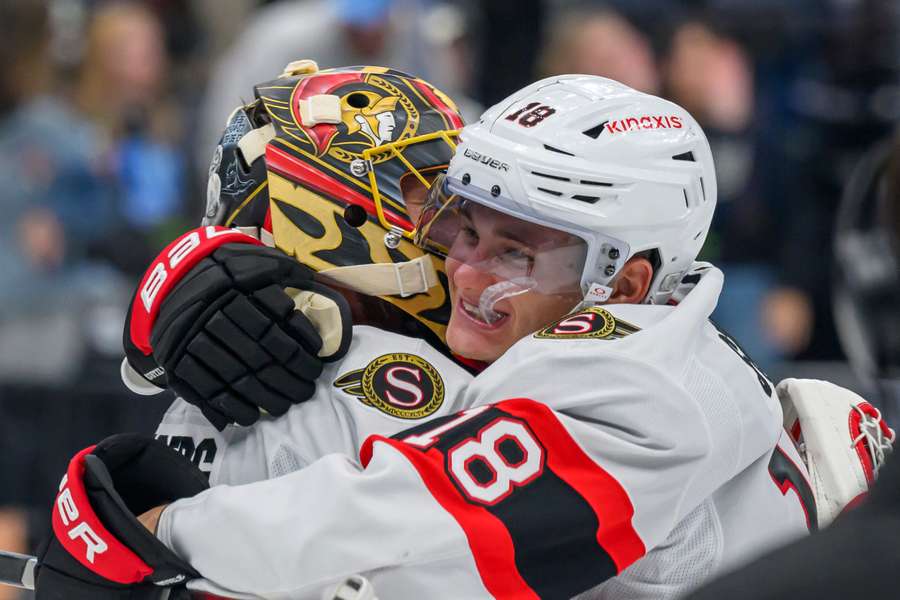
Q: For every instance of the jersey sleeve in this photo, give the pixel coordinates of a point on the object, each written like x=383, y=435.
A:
x=295, y=536
x=185, y=429
x=368, y=391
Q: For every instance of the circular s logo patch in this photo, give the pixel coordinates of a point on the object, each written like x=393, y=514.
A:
x=401, y=385
x=593, y=322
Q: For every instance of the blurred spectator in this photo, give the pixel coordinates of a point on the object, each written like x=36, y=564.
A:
x=599, y=41
x=711, y=75
x=56, y=195
x=841, y=95
x=333, y=33
x=508, y=36
x=62, y=305
x=55, y=201
x=123, y=89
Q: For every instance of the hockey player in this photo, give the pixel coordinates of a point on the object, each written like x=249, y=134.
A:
x=311, y=166
x=211, y=319
x=630, y=435
x=309, y=200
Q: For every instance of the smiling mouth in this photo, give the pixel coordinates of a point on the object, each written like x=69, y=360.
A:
x=475, y=315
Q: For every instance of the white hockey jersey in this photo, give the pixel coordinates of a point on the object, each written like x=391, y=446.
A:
x=630, y=450
x=368, y=391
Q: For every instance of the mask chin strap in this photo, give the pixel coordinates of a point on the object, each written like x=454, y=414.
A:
x=404, y=279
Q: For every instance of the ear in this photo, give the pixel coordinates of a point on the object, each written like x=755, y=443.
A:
x=632, y=282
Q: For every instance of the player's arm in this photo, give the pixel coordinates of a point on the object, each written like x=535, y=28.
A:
x=212, y=320
x=485, y=500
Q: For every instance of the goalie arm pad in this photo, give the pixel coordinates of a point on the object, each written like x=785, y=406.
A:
x=842, y=438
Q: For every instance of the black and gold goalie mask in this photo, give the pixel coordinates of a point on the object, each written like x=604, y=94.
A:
x=335, y=166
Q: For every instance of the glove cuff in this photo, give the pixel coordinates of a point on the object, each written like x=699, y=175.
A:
x=176, y=260
x=84, y=537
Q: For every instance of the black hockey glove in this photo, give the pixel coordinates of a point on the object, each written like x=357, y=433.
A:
x=212, y=321
x=97, y=549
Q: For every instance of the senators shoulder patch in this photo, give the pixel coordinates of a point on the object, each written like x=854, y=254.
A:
x=401, y=385
x=592, y=322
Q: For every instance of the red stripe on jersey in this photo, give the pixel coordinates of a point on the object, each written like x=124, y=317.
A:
x=475, y=365
x=492, y=548
x=488, y=537
x=601, y=490
x=787, y=485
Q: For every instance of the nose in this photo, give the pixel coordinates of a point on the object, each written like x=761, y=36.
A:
x=468, y=276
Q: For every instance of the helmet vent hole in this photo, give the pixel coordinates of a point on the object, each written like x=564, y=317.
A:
x=551, y=192
x=357, y=100
x=688, y=156
x=699, y=233
x=548, y=176
x=703, y=189
x=355, y=215
x=603, y=183
x=552, y=149
x=595, y=131
x=686, y=203
x=588, y=199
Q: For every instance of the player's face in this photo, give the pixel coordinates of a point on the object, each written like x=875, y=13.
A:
x=526, y=274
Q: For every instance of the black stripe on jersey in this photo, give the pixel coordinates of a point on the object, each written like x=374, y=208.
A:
x=558, y=529
x=552, y=527
x=786, y=474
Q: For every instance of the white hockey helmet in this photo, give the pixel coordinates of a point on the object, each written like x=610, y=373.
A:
x=625, y=171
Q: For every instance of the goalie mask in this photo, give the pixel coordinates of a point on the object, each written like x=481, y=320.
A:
x=333, y=166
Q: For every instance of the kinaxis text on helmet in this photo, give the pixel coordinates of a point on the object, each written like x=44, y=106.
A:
x=644, y=122
x=486, y=160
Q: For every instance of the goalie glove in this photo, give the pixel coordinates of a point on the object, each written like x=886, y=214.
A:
x=841, y=437
x=231, y=326
x=97, y=548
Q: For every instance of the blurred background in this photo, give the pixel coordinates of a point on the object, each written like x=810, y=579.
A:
x=110, y=110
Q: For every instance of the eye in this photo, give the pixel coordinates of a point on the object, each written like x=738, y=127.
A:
x=517, y=257
x=468, y=234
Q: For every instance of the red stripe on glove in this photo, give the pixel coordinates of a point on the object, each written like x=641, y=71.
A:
x=170, y=266
x=81, y=533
